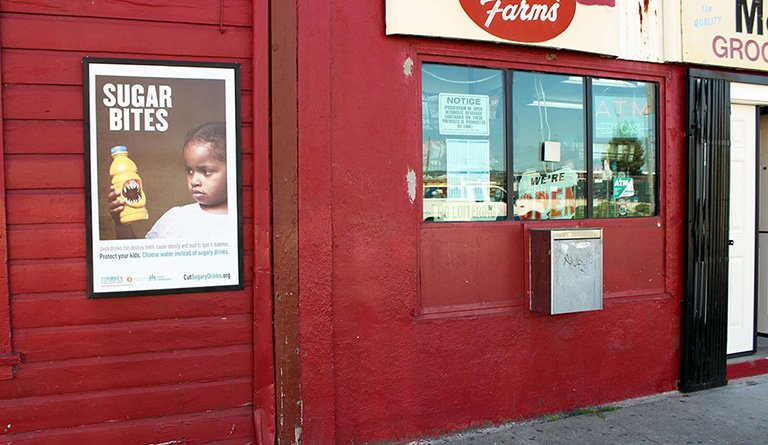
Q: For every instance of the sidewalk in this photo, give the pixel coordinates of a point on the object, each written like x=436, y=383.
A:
x=734, y=414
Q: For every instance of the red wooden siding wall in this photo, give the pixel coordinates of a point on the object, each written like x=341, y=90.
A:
x=127, y=370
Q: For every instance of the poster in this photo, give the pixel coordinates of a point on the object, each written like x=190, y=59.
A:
x=469, y=166
x=162, y=177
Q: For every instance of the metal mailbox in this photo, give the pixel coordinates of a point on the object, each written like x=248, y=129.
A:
x=566, y=270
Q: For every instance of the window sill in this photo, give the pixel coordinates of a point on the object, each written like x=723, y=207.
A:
x=467, y=310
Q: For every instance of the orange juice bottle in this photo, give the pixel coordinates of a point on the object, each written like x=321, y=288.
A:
x=126, y=180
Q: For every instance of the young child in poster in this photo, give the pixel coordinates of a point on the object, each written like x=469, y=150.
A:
x=205, y=163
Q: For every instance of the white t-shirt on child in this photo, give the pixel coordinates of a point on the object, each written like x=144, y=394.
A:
x=189, y=221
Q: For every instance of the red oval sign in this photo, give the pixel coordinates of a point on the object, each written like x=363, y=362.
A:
x=521, y=20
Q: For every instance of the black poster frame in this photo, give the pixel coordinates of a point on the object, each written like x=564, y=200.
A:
x=194, y=279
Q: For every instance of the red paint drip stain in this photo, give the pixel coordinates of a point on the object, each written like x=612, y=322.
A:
x=643, y=9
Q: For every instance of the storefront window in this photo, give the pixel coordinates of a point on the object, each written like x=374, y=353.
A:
x=559, y=170
x=548, y=155
x=464, y=155
x=624, y=148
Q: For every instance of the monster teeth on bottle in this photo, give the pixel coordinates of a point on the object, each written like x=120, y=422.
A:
x=132, y=191
x=126, y=180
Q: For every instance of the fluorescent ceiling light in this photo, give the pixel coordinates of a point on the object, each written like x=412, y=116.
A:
x=554, y=104
x=575, y=80
x=613, y=83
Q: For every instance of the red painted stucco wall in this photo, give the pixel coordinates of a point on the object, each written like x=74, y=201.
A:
x=374, y=366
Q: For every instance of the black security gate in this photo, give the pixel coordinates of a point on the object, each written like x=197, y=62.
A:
x=705, y=305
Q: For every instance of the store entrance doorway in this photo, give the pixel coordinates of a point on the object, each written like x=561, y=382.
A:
x=748, y=229
x=726, y=301
x=762, y=234
x=741, y=235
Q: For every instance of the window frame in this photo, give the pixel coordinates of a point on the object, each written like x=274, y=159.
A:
x=588, y=92
x=508, y=69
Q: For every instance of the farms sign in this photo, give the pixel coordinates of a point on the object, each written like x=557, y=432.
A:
x=567, y=24
x=537, y=21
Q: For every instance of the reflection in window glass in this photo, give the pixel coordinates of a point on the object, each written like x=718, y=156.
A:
x=548, y=155
x=464, y=164
x=624, y=148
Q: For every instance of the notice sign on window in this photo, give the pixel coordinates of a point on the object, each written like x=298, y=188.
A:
x=464, y=114
x=623, y=188
x=468, y=166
